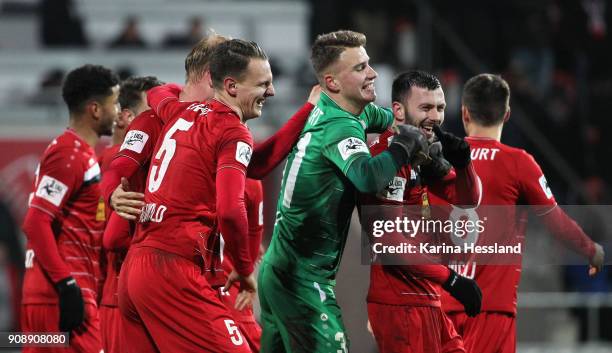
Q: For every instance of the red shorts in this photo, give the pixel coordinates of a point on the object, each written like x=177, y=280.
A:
x=167, y=306
x=245, y=319
x=45, y=318
x=413, y=329
x=110, y=319
x=488, y=332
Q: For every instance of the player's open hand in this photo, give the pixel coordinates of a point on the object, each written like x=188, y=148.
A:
x=127, y=204
x=248, y=289
x=315, y=94
x=597, y=261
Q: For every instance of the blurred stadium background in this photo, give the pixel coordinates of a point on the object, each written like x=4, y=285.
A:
x=554, y=53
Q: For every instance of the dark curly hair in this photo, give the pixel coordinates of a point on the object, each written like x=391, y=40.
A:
x=132, y=88
x=405, y=81
x=88, y=82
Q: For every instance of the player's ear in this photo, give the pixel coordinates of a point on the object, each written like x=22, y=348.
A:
x=399, y=112
x=507, y=116
x=94, y=108
x=465, y=115
x=230, y=86
x=331, y=83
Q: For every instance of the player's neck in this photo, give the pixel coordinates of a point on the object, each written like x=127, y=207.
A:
x=227, y=100
x=492, y=132
x=84, y=131
x=345, y=104
x=189, y=93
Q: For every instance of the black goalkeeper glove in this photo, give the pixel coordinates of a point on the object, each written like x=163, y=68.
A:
x=454, y=148
x=412, y=141
x=71, y=305
x=466, y=291
x=438, y=167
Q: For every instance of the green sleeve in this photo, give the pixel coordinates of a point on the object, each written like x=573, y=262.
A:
x=372, y=174
x=377, y=119
x=344, y=142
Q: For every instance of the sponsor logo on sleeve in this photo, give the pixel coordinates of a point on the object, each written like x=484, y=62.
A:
x=51, y=190
x=545, y=187
x=350, y=146
x=243, y=153
x=135, y=140
x=395, y=190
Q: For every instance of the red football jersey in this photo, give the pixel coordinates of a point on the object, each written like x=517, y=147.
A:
x=389, y=284
x=180, y=212
x=138, y=145
x=510, y=176
x=67, y=187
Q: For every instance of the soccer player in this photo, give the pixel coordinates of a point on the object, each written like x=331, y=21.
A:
x=116, y=238
x=65, y=220
x=404, y=307
x=510, y=177
x=330, y=162
x=166, y=303
x=132, y=160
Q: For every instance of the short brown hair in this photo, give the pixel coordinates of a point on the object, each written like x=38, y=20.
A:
x=487, y=98
x=197, y=62
x=231, y=58
x=327, y=48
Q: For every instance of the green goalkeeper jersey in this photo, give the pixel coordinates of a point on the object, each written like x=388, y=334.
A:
x=317, y=200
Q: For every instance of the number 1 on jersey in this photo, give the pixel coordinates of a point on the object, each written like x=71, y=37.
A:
x=167, y=150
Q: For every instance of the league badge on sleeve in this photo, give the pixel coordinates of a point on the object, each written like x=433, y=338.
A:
x=134, y=141
x=545, y=187
x=243, y=153
x=350, y=146
x=51, y=190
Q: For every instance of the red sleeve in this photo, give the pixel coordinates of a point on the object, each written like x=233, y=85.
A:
x=117, y=234
x=268, y=154
x=121, y=166
x=232, y=217
x=568, y=231
x=235, y=148
x=435, y=273
x=533, y=185
x=37, y=228
x=460, y=187
x=254, y=207
x=57, y=180
x=141, y=137
x=164, y=101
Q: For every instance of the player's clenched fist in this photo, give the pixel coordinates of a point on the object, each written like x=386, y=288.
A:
x=412, y=141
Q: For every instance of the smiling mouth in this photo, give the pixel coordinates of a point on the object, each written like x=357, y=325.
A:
x=427, y=130
x=369, y=86
x=260, y=102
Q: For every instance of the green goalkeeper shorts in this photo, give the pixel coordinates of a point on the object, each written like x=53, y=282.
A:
x=298, y=315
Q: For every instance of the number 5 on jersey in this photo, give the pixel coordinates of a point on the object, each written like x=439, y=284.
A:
x=167, y=150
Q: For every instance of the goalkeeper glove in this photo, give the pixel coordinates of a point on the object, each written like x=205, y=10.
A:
x=71, y=305
x=438, y=167
x=466, y=291
x=412, y=141
x=455, y=149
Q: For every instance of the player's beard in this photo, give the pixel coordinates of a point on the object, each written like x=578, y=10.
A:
x=106, y=128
